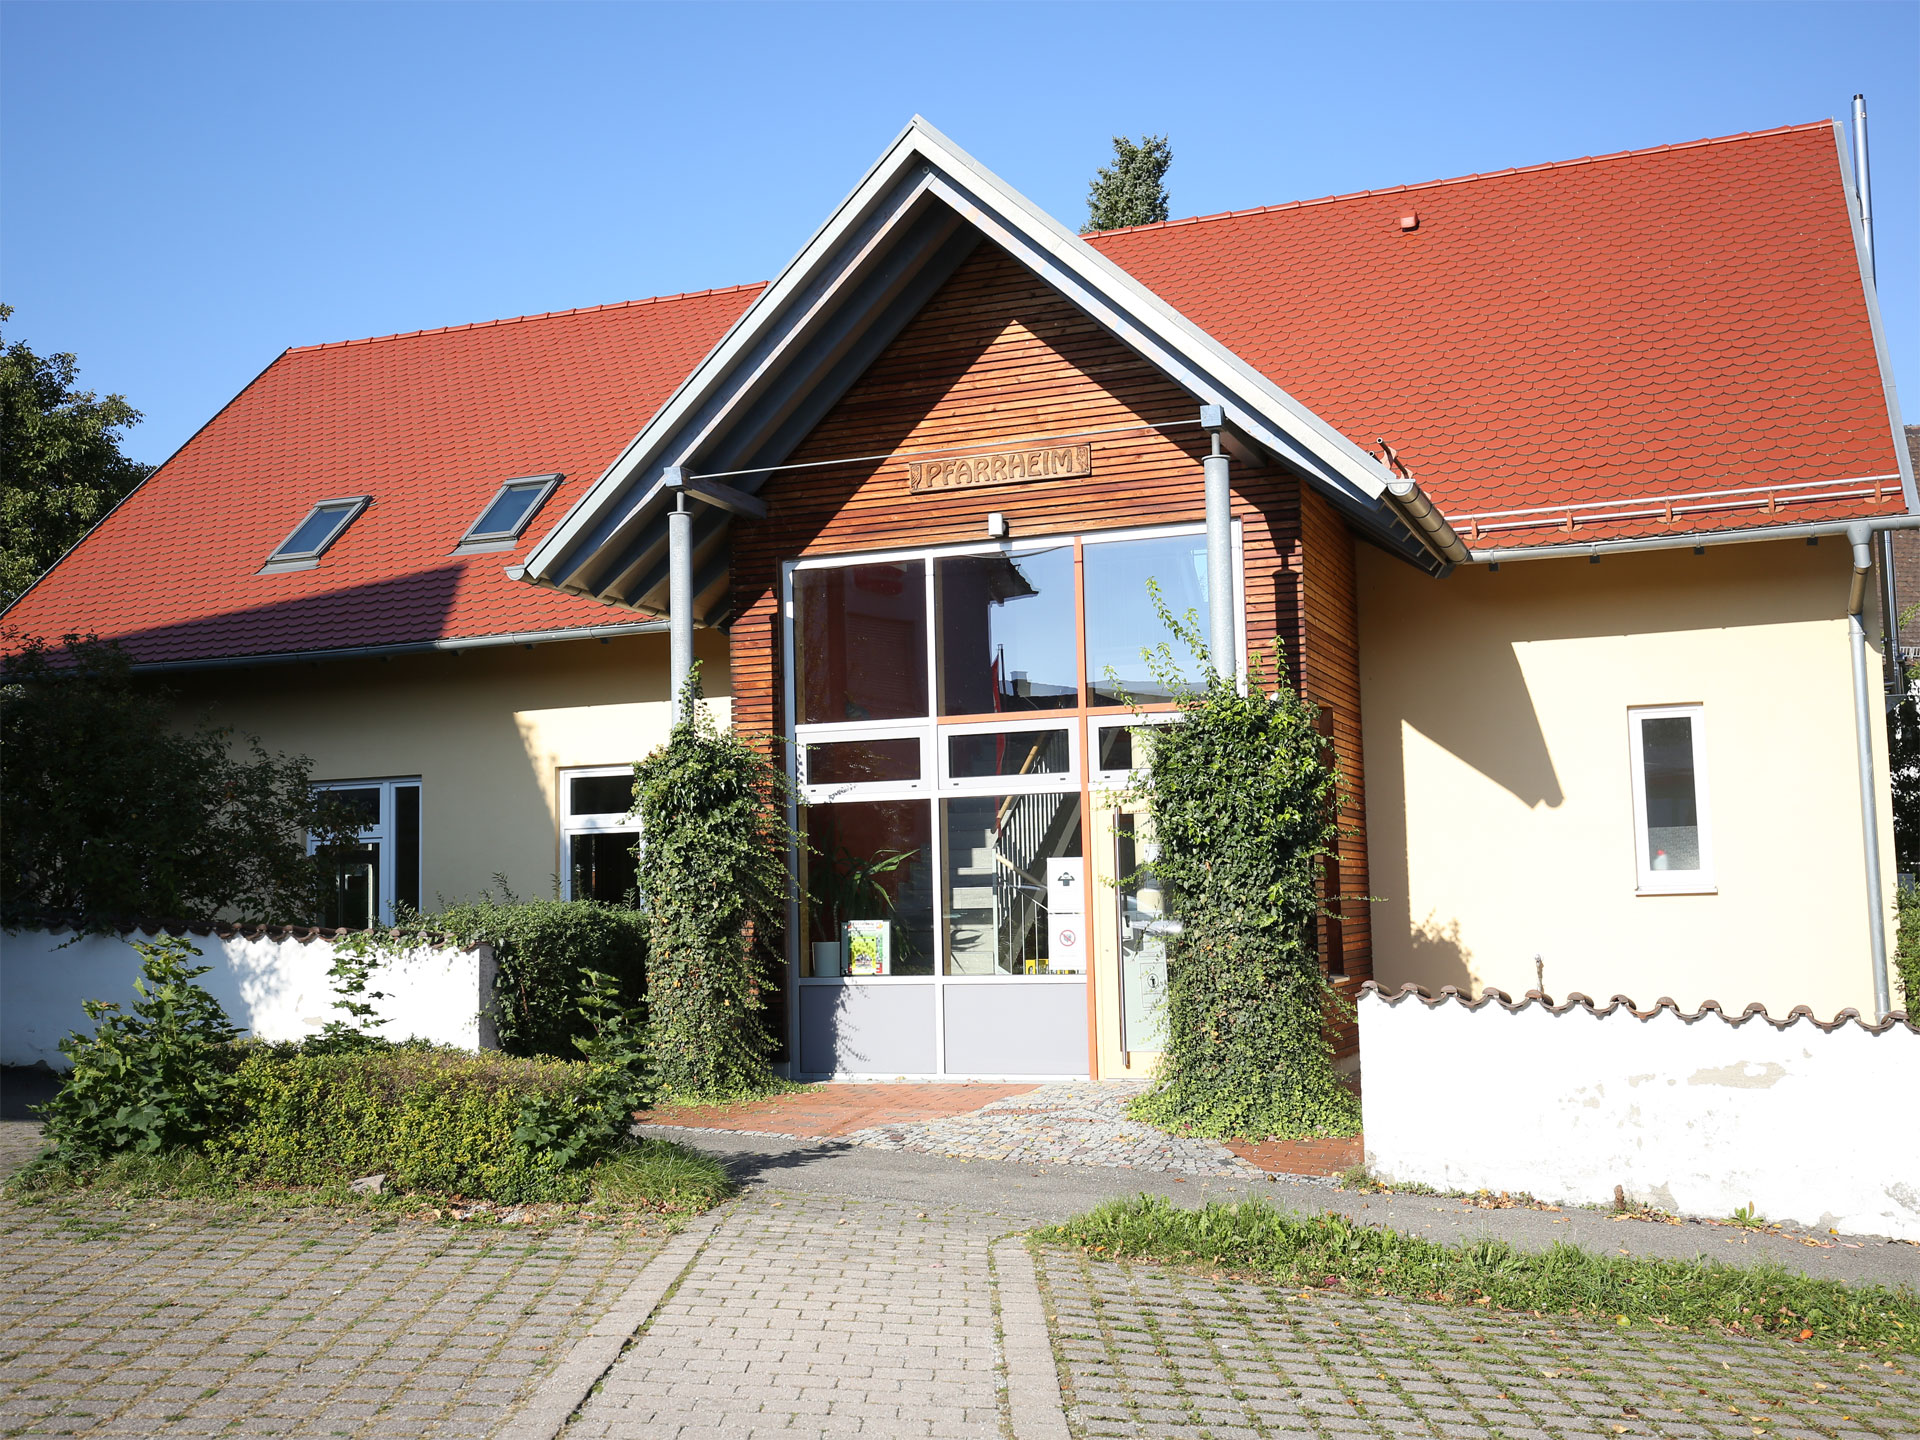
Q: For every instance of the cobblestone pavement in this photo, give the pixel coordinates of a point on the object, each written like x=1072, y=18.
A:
x=806, y=1316
x=1150, y=1351
x=19, y=1143
x=159, y=1319
x=1070, y=1123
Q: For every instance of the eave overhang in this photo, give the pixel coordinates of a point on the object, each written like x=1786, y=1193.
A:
x=905, y=228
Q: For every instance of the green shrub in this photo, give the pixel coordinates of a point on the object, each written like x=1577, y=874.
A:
x=1329, y=1250
x=150, y=1081
x=1906, y=954
x=714, y=871
x=429, y=1119
x=581, y=1124
x=541, y=948
x=1244, y=809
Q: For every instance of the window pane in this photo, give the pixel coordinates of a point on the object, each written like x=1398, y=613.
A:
x=1116, y=747
x=1006, y=632
x=1121, y=622
x=351, y=900
x=406, y=846
x=1010, y=752
x=860, y=642
x=600, y=794
x=857, y=762
x=1143, y=934
x=1673, y=822
x=1003, y=858
x=361, y=805
x=315, y=530
x=867, y=887
x=603, y=866
x=504, y=515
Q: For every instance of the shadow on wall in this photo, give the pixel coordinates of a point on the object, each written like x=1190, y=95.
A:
x=1439, y=957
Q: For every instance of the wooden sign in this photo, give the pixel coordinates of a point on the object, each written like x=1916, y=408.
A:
x=1007, y=467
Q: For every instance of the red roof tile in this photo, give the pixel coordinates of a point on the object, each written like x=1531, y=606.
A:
x=1613, y=329
x=1589, y=335
x=429, y=424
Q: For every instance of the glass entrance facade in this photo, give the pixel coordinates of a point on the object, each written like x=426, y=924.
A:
x=943, y=703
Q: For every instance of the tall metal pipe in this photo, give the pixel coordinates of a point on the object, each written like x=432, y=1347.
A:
x=1220, y=638
x=679, y=598
x=1865, y=715
x=1862, y=181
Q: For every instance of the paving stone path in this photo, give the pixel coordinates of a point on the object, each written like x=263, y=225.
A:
x=1070, y=1123
x=168, y=1320
x=1149, y=1351
x=805, y=1316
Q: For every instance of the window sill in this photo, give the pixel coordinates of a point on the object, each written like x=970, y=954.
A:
x=1707, y=889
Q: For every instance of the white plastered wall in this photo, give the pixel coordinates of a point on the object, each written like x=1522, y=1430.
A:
x=486, y=730
x=1499, y=799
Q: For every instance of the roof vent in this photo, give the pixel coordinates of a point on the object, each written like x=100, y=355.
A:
x=1409, y=221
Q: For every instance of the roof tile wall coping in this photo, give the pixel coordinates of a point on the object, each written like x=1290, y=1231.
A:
x=304, y=934
x=1576, y=1000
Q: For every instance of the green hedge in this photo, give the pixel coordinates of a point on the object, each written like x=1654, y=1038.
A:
x=541, y=946
x=427, y=1118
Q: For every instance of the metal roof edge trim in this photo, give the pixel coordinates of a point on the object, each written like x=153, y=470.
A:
x=1870, y=291
x=146, y=480
x=921, y=142
x=1699, y=539
x=406, y=647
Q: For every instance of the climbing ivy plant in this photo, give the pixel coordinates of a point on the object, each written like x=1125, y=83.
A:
x=714, y=873
x=1244, y=806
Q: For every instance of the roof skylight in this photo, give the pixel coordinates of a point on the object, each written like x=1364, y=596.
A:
x=507, y=514
x=310, y=538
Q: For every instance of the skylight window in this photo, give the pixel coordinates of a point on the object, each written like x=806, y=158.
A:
x=507, y=514
x=310, y=538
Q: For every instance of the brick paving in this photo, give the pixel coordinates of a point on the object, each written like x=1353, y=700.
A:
x=1302, y=1157
x=806, y=1316
x=1149, y=1351
x=833, y=1110
x=163, y=1319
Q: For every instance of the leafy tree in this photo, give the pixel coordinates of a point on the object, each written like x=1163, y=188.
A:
x=111, y=813
x=1244, y=808
x=1133, y=189
x=60, y=463
x=713, y=869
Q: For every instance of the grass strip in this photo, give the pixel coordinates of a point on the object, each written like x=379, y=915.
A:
x=1331, y=1251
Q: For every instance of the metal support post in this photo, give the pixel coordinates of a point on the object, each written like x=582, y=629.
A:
x=1220, y=628
x=680, y=598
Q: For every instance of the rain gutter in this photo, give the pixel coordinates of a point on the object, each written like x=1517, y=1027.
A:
x=1810, y=529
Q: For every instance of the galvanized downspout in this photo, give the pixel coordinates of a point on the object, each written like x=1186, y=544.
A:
x=1896, y=671
x=1865, y=715
x=679, y=593
x=1217, y=468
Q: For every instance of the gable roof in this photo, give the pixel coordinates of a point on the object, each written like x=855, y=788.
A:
x=1594, y=337
x=1590, y=338
x=428, y=424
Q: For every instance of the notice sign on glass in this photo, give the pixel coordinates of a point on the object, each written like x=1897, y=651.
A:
x=1007, y=467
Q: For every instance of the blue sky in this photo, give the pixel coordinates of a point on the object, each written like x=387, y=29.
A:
x=185, y=190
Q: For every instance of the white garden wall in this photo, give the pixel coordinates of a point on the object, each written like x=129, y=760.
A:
x=273, y=984
x=1695, y=1114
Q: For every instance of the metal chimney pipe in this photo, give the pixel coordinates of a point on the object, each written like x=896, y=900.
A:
x=1862, y=183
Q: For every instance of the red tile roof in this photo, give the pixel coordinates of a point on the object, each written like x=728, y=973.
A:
x=1615, y=329
x=429, y=424
x=1584, y=336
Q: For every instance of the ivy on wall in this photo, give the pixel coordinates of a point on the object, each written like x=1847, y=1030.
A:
x=1244, y=807
x=714, y=873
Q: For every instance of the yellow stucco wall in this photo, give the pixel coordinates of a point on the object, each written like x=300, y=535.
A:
x=1499, y=800
x=485, y=730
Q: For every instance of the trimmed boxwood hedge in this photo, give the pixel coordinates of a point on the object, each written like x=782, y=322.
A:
x=429, y=1119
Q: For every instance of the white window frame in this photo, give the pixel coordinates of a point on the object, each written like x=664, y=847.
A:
x=1671, y=882
x=1121, y=720
x=597, y=823
x=1017, y=722
x=828, y=793
x=382, y=833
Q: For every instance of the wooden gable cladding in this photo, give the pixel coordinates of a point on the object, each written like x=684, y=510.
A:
x=997, y=360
